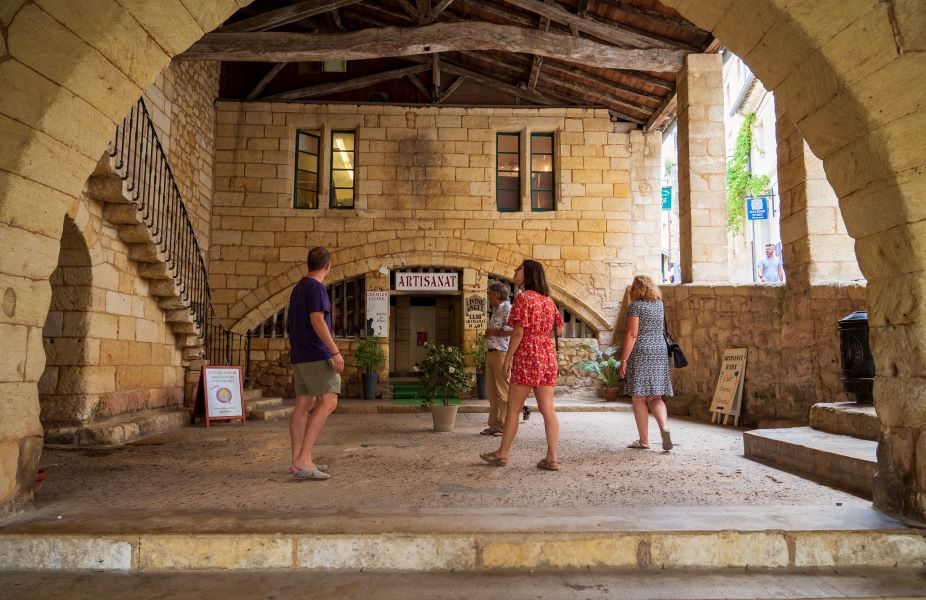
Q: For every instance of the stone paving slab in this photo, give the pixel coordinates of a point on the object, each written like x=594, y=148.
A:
x=536, y=585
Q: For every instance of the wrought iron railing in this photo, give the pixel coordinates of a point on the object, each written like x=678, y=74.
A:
x=141, y=162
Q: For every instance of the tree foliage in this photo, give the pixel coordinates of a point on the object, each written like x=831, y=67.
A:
x=741, y=183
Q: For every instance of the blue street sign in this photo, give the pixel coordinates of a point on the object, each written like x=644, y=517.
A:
x=667, y=198
x=757, y=208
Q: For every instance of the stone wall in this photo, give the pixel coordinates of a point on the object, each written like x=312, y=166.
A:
x=108, y=348
x=181, y=103
x=426, y=195
x=271, y=371
x=793, y=343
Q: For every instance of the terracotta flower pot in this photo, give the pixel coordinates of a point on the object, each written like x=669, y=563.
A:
x=611, y=394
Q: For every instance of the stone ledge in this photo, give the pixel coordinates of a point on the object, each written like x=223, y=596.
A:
x=120, y=430
x=846, y=418
x=483, y=551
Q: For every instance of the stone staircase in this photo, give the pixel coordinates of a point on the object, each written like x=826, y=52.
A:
x=119, y=209
x=259, y=408
x=838, y=449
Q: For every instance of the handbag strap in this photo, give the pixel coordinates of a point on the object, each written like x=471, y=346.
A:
x=665, y=328
x=555, y=333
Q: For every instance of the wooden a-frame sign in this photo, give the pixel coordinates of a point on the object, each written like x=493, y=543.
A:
x=219, y=395
x=728, y=396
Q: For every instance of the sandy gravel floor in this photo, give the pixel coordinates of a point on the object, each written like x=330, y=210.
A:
x=388, y=461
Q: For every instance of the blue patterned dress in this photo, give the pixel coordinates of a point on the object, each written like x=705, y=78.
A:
x=648, y=364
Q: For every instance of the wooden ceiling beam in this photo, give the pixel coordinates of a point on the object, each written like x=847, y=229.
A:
x=438, y=9
x=652, y=15
x=409, y=8
x=583, y=101
x=266, y=80
x=424, y=8
x=286, y=15
x=603, y=29
x=561, y=70
x=327, y=89
x=664, y=114
x=609, y=100
x=440, y=37
x=421, y=87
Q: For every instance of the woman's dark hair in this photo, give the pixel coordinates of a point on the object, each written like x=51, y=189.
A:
x=534, y=277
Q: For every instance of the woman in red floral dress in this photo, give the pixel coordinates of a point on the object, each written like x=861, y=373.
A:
x=531, y=362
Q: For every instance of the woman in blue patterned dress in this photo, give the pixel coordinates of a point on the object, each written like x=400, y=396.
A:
x=645, y=360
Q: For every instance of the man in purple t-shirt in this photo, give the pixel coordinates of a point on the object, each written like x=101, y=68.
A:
x=317, y=364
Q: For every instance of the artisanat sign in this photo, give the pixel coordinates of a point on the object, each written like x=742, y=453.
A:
x=426, y=282
x=476, y=312
x=377, y=313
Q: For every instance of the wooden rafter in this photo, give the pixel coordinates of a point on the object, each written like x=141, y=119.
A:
x=438, y=9
x=440, y=37
x=664, y=114
x=286, y=15
x=424, y=9
x=266, y=80
x=409, y=8
x=420, y=87
x=435, y=74
x=652, y=15
x=327, y=89
x=600, y=28
x=451, y=89
x=570, y=72
x=495, y=82
x=538, y=60
x=604, y=98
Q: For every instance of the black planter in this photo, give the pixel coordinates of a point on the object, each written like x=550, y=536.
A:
x=481, y=386
x=369, y=385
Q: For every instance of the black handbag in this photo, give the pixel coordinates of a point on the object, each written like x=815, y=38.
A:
x=675, y=351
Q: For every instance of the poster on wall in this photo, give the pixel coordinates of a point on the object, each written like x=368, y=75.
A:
x=476, y=306
x=728, y=396
x=378, y=314
x=220, y=396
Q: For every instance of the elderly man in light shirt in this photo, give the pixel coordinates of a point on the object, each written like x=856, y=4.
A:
x=497, y=336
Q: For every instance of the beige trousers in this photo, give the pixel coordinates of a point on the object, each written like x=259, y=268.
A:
x=497, y=389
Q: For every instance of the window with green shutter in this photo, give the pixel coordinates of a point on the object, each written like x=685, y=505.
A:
x=342, y=169
x=543, y=179
x=305, y=188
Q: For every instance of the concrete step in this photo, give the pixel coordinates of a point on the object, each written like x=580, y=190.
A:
x=515, y=585
x=120, y=430
x=262, y=404
x=841, y=461
x=846, y=418
x=479, y=541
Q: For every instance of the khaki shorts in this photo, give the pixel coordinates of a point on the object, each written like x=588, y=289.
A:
x=316, y=378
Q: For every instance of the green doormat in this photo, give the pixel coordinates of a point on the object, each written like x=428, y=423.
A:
x=417, y=401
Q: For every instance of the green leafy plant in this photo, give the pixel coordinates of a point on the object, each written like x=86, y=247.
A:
x=741, y=183
x=602, y=365
x=369, y=355
x=443, y=373
x=479, y=352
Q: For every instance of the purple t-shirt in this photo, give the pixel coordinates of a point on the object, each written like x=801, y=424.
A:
x=305, y=346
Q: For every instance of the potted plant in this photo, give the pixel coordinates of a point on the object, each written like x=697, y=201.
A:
x=478, y=356
x=605, y=368
x=370, y=357
x=443, y=376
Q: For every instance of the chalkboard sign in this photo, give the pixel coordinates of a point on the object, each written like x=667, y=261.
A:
x=728, y=396
x=220, y=395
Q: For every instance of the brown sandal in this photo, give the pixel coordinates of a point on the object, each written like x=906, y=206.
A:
x=638, y=445
x=493, y=459
x=548, y=465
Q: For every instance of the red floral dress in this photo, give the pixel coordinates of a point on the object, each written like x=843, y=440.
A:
x=534, y=362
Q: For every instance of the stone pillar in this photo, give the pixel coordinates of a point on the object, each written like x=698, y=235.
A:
x=645, y=176
x=816, y=246
x=702, y=170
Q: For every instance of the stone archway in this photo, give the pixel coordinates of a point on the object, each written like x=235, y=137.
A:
x=60, y=102
x=253, y=309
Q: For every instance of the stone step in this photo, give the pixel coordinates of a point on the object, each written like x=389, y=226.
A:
x=274, y=413
x=841, y=461
x=253, y=393
x=571, y=584
x=262, y=404
x=846, y=418
x=402, y=542
x=121, y=429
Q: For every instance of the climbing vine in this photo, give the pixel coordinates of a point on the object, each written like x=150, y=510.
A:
x=741, y=183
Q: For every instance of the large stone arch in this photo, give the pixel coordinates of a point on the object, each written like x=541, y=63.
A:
x=275, y=294
x=850, y=75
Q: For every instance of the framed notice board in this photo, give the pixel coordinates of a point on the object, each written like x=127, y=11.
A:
x=220, y=396
x=728, y=396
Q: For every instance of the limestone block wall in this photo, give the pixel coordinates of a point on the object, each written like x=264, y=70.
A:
x=426, y=195
x=108, y=349
x=793, y=344
x=271, y=371
x=181, y=103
